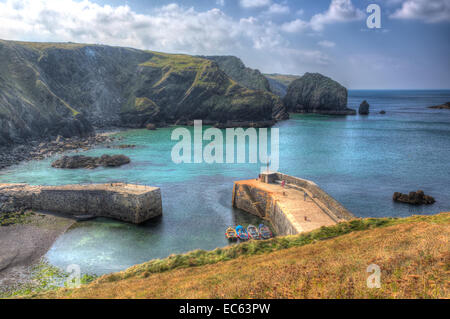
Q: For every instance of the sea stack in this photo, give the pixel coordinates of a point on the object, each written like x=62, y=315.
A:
x=364, y=108
x=316, y=93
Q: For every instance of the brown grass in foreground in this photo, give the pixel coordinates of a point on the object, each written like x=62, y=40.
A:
x=414, y=259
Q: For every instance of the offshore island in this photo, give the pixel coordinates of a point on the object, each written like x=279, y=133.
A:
x=59, y=98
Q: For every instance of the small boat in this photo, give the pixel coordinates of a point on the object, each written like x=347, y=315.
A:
x=231, y=234
x=265, y=232
x=253, y=232
x=241, y=233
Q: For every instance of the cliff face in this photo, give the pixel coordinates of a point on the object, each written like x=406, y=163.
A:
x=315, y=93
x=50, y=89
x=235, y=69
x=279, y=83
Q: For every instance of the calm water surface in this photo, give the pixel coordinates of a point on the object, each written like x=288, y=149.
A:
x=361, y=161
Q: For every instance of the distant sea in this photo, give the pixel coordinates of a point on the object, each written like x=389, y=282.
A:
x=359, y=160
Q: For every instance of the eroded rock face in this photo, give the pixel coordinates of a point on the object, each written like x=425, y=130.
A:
x=80, y=161
x=364, y=108
x=414, y=198
x=50, y=89
x=315, y=93
x=236, y=69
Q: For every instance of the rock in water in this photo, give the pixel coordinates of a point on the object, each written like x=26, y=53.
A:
x=364, y=108
x=445, y=106
x=315, y=93
x=151, y=127
x=80, y=161
x=414, y=198
x=383, y=112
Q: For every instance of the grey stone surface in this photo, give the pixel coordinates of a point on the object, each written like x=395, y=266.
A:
x=126, y=202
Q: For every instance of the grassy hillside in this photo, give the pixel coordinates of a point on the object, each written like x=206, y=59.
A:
x=330, y=262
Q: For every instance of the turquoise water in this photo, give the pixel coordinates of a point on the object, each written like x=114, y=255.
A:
x=361, y=161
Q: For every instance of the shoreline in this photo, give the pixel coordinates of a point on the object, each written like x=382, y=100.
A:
x=41, y=149
x=37, y=235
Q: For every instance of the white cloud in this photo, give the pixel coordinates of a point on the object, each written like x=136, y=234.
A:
x=339, y=11
x=254, y=3
x=278, y=9
x=427, y=10
x=326, y=44
x=170, y=28
x=294, y=26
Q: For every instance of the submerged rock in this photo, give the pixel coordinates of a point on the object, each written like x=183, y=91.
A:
x=364, y=108
x=414, y=198
x=315, y=93
x=80, y=161
x=383, y=112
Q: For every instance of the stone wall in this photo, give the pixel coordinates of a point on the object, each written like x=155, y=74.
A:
x=130, y=203
x=337, y=211
x=258, y=202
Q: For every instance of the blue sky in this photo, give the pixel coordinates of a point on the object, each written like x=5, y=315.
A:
x=411, y=50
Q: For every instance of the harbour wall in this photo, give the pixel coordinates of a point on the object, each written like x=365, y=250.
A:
x=257, y=200
x=126, y=202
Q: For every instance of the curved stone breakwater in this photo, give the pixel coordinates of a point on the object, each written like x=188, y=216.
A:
x=126, y=202
x=292, y=205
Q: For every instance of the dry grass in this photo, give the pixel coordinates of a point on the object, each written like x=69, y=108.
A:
x=413, y=256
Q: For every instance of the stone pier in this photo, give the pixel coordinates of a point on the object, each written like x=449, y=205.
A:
x=126, y=202
x=299, y=206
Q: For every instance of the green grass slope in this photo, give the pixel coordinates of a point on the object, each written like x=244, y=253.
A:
x=330, y=262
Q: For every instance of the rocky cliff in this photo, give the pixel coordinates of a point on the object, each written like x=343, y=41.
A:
x=315, y=93
x=279, y=83
x=50, y=89
x=236, y=69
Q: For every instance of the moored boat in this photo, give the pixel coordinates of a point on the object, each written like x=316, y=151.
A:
x=231, y=234
x=241, y=233
x=253, y=232
x=265, y=232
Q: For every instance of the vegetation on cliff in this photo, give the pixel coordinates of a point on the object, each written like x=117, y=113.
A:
x=330, y=262
x=65, y=88
x=279, y=83
x=236, y=69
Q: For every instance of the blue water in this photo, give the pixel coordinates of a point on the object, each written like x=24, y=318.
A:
x=359, y=160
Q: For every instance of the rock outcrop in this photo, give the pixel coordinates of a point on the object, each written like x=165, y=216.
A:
x=364, y=108
x=414, y=198
x=315, y=93
x=81, y=161
x=445, y=106
x=50, y=89
x=236, y=69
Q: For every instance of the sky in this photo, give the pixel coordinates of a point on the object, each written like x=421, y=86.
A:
x=411, y=49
